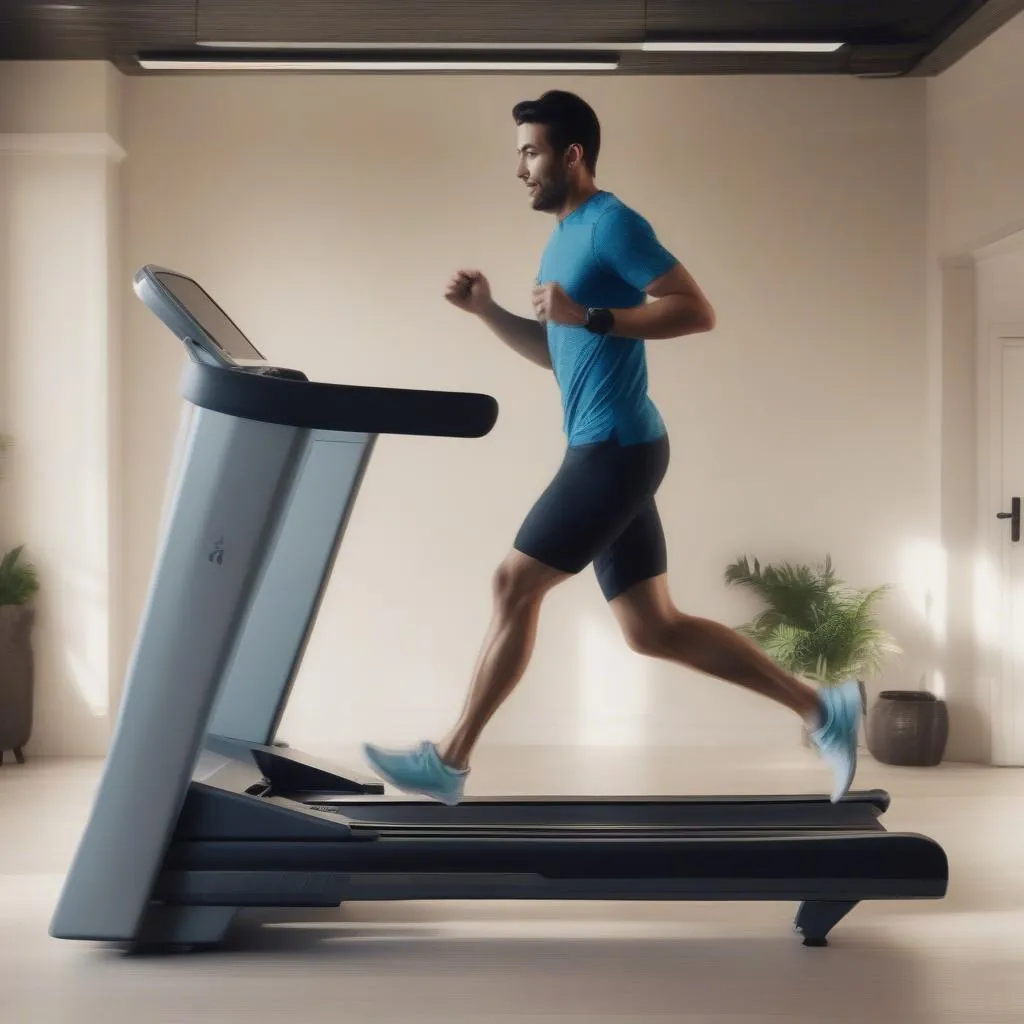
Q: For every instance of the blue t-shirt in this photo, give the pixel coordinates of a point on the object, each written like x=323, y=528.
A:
x=603, y=254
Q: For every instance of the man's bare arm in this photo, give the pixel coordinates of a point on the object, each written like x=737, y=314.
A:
x=527, y=337
x=679, y=308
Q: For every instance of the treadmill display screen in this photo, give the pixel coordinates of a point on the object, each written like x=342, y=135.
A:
x=210, y=317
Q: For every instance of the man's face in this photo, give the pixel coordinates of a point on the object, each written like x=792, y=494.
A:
x=543, y=171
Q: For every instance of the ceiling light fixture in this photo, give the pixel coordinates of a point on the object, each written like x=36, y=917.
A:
x=381, y=61
x=681, y=46
x=653, y=46
x=393, y=47
x=372, y=65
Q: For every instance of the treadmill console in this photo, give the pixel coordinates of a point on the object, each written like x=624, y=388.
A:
x=208, y=333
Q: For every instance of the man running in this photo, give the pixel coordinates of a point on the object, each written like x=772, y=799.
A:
x=606, y=285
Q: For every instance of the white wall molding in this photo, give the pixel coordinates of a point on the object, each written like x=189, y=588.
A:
x=62, y=144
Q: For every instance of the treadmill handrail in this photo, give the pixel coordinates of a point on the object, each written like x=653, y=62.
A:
x=315, y=405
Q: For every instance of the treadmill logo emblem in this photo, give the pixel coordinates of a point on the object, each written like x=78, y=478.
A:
x=217, y=554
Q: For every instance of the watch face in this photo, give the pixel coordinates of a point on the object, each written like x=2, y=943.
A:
x=599, y=320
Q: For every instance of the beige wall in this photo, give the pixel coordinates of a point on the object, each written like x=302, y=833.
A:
x=6, y=538
x=976, y=198
x=327, y=224
x=59, y=167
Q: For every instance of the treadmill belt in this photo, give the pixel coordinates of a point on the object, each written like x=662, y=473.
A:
x=571, y=818
x=401, y=830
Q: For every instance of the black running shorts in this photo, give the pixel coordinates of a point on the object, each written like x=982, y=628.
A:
x=600, y=509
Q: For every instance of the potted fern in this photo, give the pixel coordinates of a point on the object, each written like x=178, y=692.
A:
x=18, y=585
x=814, y=625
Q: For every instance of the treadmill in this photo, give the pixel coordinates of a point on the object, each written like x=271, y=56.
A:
x=201, y=813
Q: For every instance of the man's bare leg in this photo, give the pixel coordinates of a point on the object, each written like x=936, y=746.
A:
x=652, y=625
x=520, y=585
x=439, y=770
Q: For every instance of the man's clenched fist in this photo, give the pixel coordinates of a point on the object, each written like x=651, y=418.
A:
x=552, y=305
x=469, y=290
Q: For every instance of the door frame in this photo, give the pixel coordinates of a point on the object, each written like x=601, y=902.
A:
x=1006, y=707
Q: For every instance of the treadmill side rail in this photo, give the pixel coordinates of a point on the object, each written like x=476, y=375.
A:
x=877, y=859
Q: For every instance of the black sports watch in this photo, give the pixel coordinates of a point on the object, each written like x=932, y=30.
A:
x=599, y=320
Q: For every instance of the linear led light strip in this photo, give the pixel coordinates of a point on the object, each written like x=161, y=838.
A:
x=752, y=47
x=235, y=64
x=679, y=46
x=609, y=63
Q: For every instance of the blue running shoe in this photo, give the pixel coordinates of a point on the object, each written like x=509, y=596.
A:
x=836, y=735
x=419, y=770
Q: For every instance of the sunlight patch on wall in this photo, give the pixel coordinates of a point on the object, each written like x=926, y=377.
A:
x=613, y=690
x=81, y=631
x=924, y=579
x=988, y=611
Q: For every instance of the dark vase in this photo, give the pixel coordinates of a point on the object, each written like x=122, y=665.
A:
x=908, y=728
x=16, y=678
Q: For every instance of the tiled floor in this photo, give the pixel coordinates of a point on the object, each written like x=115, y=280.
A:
x=961, y=959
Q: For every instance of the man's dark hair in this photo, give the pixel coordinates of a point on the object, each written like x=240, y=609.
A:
x=568, y=119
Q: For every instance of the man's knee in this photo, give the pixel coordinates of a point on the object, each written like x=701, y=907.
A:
x=520, y=581
x=656, y=636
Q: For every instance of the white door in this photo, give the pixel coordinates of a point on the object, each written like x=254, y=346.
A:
x=1006, y=512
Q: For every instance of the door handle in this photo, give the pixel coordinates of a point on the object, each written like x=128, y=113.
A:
x=1014, y=516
